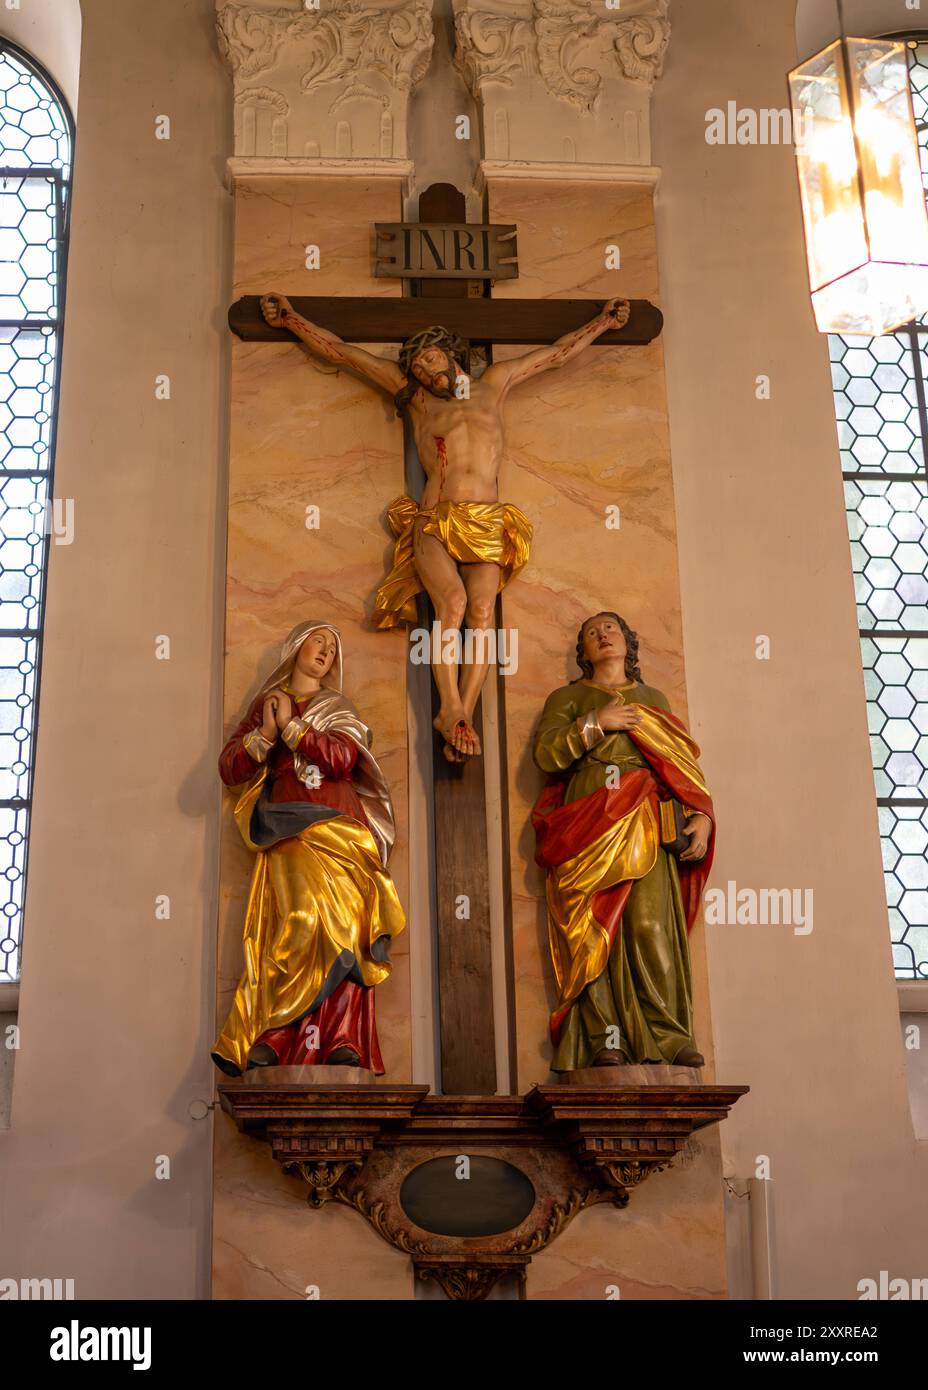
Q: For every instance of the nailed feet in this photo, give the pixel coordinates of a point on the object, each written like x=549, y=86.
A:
x=460, y=736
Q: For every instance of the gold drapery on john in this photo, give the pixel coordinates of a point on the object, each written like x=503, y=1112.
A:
x=579, y=942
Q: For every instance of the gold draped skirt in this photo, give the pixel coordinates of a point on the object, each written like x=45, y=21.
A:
x=318, y=904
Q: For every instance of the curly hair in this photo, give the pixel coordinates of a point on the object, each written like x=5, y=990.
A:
x=632, y=668
x=436, y=336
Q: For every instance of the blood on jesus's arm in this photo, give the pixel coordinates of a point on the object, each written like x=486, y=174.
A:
x=504, y=375
x=380, y=371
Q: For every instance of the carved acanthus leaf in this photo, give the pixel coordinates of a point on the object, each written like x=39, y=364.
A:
x=346, y=38
x=561, y=1215
x=641, y=45
x=491, y=47
x=249, y=38
x=395, y=43
x=463, y=1282
x=572, y=44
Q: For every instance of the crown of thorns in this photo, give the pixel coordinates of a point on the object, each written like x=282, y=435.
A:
x=436, y=336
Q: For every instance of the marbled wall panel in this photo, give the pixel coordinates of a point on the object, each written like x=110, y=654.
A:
x=580, y=441
x=270, y=1244
x=303, y=435
x=668, y=1243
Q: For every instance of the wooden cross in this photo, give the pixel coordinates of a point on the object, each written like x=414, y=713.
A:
x=490, y=321
x=466, y=1026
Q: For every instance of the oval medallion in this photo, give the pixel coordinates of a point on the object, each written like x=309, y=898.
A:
x=494, y=1198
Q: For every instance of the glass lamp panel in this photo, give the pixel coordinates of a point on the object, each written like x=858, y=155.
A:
x=897, y=222
x=862, y=194
x=836, y=238
x=872, y=300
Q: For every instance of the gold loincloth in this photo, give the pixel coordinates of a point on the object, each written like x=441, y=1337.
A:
x=473, y=533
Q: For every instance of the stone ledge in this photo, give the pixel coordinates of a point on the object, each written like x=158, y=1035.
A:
x=245, y=167
x=566, y=170
x=578, y=1145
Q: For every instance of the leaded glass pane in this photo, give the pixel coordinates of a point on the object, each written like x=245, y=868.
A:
x=29, y=247
x=28, y=367
x=904, y=841
x=23, y=524
x=876, y=401
x=33, y=128
x=35, y=155
x=888, y=525
x=918, y=78
x=896, y=681
x=13, y=844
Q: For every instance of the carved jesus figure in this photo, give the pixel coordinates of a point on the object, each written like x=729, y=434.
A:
x=458, y=543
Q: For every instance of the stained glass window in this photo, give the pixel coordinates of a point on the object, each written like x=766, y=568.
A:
x=881, y=387
x=35, y=159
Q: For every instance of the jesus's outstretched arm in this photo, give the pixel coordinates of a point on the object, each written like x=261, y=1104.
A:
x=504, y=375
x=379, y=371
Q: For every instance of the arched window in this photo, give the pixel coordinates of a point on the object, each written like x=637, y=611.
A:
x=881, y=386
x=36, y=139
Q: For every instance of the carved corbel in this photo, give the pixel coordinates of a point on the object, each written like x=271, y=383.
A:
x=322, y=1176
x=469, y=1281
x=624, y=1175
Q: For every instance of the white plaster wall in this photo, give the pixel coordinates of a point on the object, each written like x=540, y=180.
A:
x=116, y=1008
x=810, y=1022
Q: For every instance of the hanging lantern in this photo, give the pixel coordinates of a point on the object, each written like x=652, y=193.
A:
x=860, y=178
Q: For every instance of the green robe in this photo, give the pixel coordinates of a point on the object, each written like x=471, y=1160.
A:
x=642, y=1003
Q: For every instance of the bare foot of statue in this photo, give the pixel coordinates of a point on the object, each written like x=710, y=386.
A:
x=459, y=734
x=465, y=739
x=689, y=1057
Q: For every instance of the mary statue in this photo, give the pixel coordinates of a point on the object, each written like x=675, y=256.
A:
x=322, y=908
x=625, y=832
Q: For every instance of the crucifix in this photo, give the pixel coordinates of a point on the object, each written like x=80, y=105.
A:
x=458, y=546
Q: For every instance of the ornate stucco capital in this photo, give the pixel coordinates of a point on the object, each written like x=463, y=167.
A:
x=563, y=79
x=327, y=82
